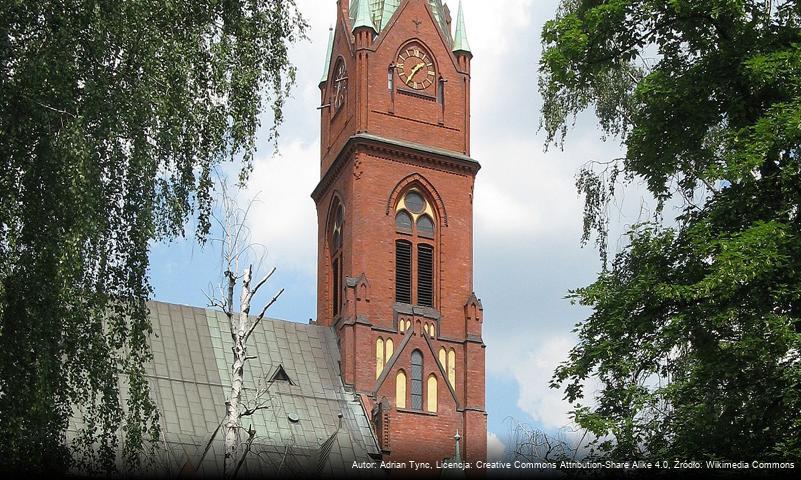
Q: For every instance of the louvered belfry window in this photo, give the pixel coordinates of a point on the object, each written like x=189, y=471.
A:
x=414, y=252
x=425, y=275
x=417, y=380
x=403, y=272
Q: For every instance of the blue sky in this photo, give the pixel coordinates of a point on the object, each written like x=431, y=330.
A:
x=527, y=210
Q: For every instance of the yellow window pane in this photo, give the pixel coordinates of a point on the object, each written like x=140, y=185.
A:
x=431, y=394
x=379, y=357
x=390, y=349
x=443, y=358
x=400, y=390
x=452, y=368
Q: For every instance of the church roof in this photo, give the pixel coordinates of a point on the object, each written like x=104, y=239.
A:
x=380, y=12
x=313, y=425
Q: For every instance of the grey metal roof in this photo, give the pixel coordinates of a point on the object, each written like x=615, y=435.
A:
x=190, y=376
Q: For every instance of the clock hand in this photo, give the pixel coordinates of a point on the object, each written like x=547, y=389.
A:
x=415, y=70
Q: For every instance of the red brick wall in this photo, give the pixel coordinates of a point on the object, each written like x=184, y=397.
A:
x=368, y=179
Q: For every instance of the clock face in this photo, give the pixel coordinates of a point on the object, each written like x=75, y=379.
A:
x=340, y=86
x=415, y=68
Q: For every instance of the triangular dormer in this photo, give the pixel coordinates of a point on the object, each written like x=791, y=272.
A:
x=280, y=375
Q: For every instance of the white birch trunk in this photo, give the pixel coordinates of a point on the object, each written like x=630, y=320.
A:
x=239, y=327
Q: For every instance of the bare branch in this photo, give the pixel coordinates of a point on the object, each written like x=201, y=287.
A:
x=263, y=281
x=211, y=439
x=261, y=315
x=250, y=411
x=54, y=109
x=248, y=445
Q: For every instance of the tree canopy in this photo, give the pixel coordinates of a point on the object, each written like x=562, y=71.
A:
x=112, y=116
x=695, y=330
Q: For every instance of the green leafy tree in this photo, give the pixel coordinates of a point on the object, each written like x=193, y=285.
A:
x=112, y=116
x=695, y=331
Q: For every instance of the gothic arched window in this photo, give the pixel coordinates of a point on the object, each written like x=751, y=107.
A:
x=416, y=229
x=447, y=358
x=400, y=389
x=383, y=352
x=417, y=380
x=431, y=394
x=336, y=258
x=340, y=88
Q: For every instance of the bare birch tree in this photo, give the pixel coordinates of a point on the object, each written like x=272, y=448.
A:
x=529, y=444
x=237, y=252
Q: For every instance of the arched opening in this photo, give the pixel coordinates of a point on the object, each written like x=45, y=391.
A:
x=400, y=389
x=417, y=380
x=431, y=394
x=414, y=249
x=335, y=242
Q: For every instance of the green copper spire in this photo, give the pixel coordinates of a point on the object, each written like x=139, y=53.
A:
x=362, y=16
x=328, y=54
x=389, y=9
x=460, y=43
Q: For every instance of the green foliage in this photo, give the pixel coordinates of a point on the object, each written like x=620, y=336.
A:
x=112, y=116
x=695, y=334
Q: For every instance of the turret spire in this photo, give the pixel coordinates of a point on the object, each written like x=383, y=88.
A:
x=362, y=17
x=328, y=54
x=460, y=43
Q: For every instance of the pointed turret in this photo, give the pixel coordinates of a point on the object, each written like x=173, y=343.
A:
x=327, y=65
x=362, y=16
x=460, y=43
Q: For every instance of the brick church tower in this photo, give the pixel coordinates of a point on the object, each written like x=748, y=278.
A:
x=395, y=222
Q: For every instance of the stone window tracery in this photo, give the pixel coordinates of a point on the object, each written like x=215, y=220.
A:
x=416, y=230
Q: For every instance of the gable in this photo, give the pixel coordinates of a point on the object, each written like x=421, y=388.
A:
x=433, y=26
x=401, y=360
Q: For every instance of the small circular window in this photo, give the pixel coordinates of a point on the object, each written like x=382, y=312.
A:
x=414, y=202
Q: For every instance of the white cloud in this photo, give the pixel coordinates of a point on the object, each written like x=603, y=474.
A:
x=284, y=219
x=533, y=375
x=495, y=447
x=491, y=25
x=520, y=192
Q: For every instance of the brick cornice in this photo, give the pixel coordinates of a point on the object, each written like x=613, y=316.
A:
x=396, y=150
